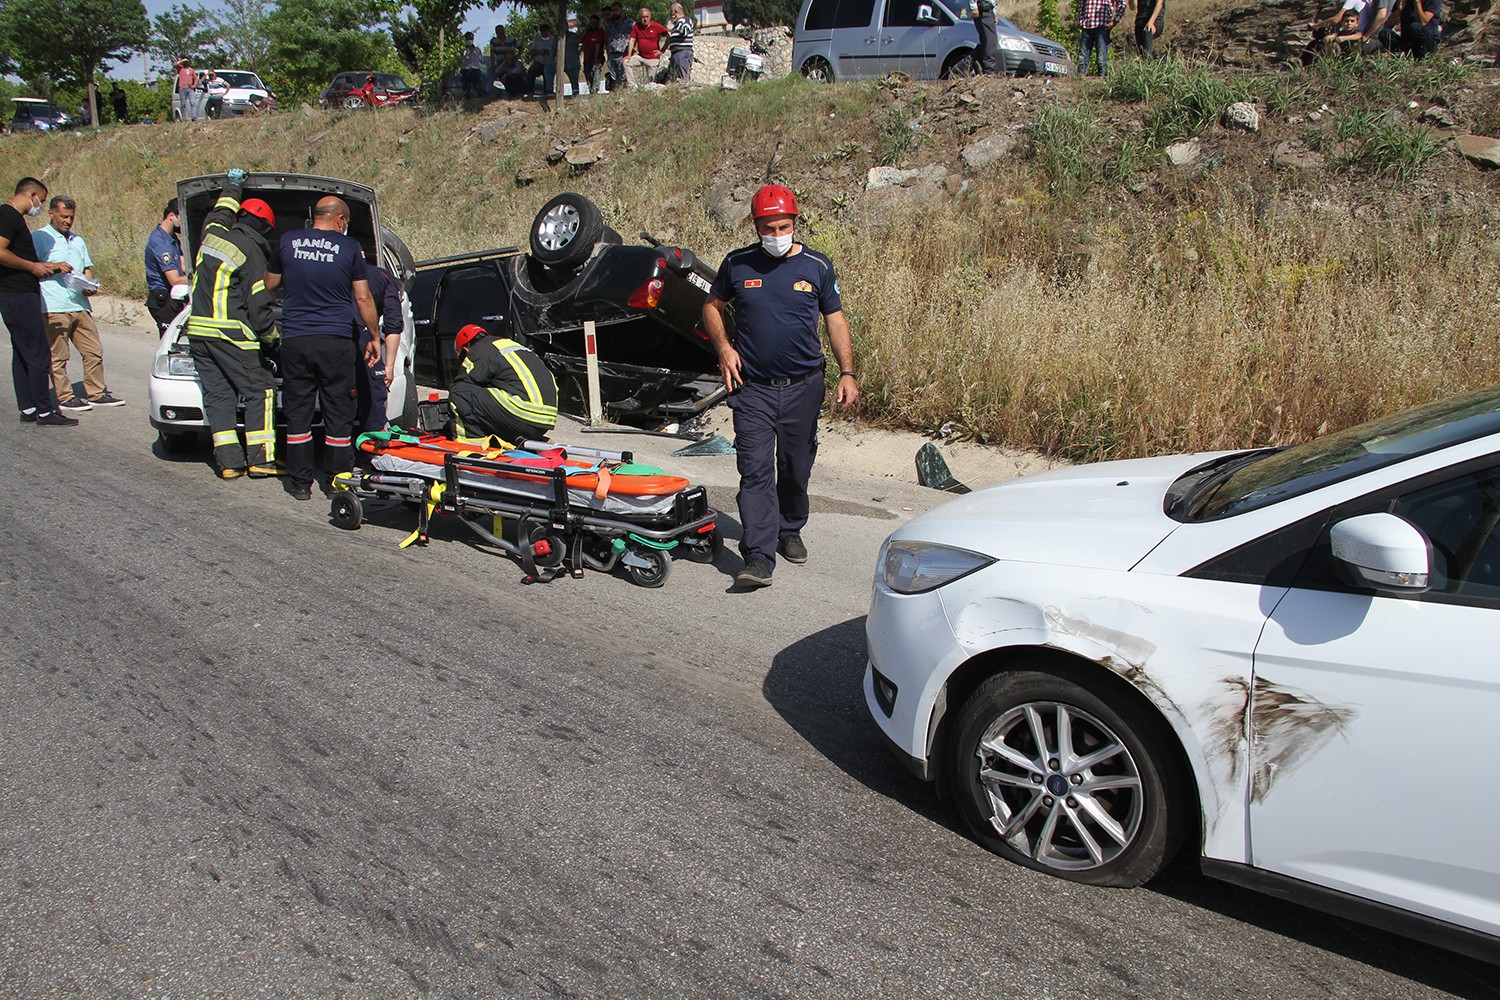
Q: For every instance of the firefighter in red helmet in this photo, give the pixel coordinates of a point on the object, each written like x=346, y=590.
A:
x=774, y=372
x=230, y=319
x=505, y=390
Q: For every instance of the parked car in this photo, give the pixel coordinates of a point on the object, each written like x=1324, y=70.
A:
x=32, y=114
x=646, y=302
x=174, y=392
x=1251, y=651
x=923, y=39
x=244, y=89
x=341, y=91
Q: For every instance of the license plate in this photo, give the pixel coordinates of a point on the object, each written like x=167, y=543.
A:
x=697, y=279
x=1057, y=68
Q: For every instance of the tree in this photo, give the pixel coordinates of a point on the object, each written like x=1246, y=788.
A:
x=430, y=39
x=69, y=40
x=241, y=35
x=310, y=40
x=182, y=32
x=761, y=13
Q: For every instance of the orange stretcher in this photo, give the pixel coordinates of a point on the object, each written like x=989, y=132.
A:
x=569, y=508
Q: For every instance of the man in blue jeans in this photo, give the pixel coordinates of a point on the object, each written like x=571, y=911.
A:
x=1095, y=19
x=774, y=372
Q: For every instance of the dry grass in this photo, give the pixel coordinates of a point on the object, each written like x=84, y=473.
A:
x=1227, y=311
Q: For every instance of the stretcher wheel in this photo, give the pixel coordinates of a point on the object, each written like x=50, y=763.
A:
x=346, y=511
x=652, y=575
x=548, y=550
x=707, y=550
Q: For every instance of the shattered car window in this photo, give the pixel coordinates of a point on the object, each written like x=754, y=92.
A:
x=1277, y=475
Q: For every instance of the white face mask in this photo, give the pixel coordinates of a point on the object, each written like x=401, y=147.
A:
x=35, y=209
x=777, y=246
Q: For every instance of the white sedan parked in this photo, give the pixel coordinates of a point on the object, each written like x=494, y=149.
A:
x=1286, y=656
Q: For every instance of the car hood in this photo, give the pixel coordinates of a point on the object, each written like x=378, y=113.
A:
x=245, y=93
x=1107, y=515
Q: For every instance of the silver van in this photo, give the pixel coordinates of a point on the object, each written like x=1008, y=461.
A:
x=923, y=39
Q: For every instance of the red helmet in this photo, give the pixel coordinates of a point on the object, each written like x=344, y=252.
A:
x=259, y=209
x=773, y=199
x=465, y=335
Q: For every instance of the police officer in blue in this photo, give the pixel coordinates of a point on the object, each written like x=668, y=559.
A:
x=774, y=372
x=164, y=270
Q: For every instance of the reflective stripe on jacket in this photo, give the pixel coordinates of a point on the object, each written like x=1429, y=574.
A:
x=229, y=298
x=515, y=377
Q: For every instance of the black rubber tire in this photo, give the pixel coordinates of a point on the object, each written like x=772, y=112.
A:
x=557, y=549
x=345, y=511
x=817, y=70
x=178, y=442
x=656, y=574
x=960, y=66
x=410, y=414
x=704, y=553
x=1160, y=803
x=352, y=101
x=564, y=232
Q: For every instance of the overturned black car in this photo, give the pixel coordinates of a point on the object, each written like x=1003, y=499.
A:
x=646, y=302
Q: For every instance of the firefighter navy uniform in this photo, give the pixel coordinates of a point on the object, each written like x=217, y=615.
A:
x=505, y=391
x=231, y=318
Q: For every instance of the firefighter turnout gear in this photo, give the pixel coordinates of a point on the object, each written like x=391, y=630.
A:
x=230, y=320
x=505, y=391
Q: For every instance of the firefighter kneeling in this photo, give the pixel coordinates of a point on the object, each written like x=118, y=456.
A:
x=505, y=391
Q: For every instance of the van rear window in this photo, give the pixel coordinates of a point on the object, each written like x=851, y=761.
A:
x=823, y=15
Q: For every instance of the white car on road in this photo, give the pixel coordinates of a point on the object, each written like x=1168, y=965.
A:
x=1286, y=657
x=175, y=394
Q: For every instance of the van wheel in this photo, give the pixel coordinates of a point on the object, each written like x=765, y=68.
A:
x=959, y=66
x=817, y=70
x=565, y=230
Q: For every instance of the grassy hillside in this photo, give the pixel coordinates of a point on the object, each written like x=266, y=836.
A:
x=1079, y=295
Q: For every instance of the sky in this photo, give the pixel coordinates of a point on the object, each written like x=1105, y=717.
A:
x=481, y=21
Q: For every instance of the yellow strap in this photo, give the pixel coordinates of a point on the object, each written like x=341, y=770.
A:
x=434, y=496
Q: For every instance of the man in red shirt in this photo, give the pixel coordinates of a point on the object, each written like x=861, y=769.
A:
x=592, y=44
x=643, y=57
x=187, y=88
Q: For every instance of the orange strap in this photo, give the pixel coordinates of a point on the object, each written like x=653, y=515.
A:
x=602, y=489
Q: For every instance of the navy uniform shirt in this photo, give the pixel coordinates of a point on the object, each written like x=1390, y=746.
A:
x=163, y=254
x=387, y=295
x=318, y=268
x=777, y=304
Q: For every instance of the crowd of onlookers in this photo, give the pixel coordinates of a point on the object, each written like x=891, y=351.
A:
x=1412, y=27
x=607, y=52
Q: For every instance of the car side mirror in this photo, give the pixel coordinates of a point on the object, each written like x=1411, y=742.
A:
x=1383, y=552
x=924, y=14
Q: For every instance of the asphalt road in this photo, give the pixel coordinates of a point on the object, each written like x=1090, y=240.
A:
x=246, y=754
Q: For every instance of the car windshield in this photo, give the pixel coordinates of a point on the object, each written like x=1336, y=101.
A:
x=242, y=79
x=38, y=110
x=388, y=81
x=1258, y=479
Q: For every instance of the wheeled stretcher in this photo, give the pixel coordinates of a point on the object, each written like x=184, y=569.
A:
x=571, y=507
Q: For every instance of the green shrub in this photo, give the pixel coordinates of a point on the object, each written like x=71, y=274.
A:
x=1066, y=142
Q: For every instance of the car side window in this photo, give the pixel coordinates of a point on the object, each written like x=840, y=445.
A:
x=903, y=14
x=825, y=14
x=1459, y=518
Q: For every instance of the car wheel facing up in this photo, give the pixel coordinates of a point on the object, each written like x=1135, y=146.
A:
x=1052, y=776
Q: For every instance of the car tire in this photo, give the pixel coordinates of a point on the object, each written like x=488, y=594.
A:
x=960, y=65
x=817, y=70
x=410, y=415
x=178, y=442
x=353, y=102
x=1114, y=820
x=564, y=232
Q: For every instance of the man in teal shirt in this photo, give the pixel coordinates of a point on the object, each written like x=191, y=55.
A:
x=70, y=321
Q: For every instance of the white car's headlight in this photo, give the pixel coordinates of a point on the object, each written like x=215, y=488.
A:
x=917, y=567
x=174, y=366
x=1014, y=44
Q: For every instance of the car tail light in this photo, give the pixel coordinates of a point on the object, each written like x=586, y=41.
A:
x=648, y=296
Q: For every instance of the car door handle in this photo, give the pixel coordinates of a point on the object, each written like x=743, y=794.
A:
x=887, y=41
x=870, y=40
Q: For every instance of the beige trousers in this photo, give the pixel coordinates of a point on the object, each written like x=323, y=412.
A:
x=78, y=329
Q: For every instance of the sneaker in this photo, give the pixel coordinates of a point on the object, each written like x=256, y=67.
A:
x=234, y=473
x=28, y=417
x=105, y=399
x=792, y=548
x=50, y=419
x=300, y=492
x=757, y=573
x=267, y=471
x=75, y=405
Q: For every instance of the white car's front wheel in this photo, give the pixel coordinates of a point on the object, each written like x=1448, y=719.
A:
x=1052, y=776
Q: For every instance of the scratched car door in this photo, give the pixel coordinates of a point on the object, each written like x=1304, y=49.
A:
x=1370, y=754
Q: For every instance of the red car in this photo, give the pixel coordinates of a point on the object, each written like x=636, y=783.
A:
x=353, y=89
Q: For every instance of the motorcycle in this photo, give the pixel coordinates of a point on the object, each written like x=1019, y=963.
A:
x=745, y=63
